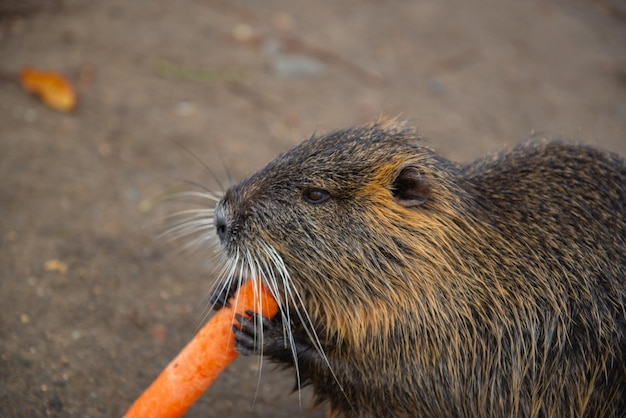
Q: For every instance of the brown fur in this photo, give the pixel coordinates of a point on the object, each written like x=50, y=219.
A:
x=501, y=294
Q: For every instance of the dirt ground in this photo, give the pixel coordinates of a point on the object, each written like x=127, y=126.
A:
x=93, y=303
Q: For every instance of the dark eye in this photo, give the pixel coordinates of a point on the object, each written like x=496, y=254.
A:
x=316, y=195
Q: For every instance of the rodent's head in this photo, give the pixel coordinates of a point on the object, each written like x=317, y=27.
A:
x=338, y=217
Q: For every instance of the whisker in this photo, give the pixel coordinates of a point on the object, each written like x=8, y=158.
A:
x=279, y=265
x=214, y=196
x=266, y=264
x=197, y=223
x=219, y=285
x=229, y=175
x=196, y=234
x=305, y=319
x=200, y=185
x=256, y=274
x=199, y=160
x=194, y=212
x=188, y=227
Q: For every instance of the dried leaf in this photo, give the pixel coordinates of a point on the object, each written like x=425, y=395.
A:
x=52, y=88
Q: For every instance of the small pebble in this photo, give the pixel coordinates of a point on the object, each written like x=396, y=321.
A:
x=55, y=265
x=436, y=86
x=104, y=149
x=283, y=21
x=158, y=332
x=11, y=236
x=185, y=109
x=132, y=195
x=297, y=65
x=243, y=33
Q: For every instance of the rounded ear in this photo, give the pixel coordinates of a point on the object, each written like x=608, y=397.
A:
x=410, y=188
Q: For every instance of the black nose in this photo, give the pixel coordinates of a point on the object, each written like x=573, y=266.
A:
x=221, y=224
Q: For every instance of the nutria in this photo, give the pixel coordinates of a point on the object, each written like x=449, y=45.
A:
x=411, y=286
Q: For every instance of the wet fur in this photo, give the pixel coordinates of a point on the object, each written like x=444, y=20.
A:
x=502, y=294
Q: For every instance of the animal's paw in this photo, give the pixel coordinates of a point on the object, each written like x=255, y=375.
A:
x=259, y=335
x=219, y=298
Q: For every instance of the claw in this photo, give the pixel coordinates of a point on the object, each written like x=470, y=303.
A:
x=244, y=339
x=248, y=342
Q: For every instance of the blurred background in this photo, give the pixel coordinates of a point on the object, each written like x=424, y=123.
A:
x=93, y=304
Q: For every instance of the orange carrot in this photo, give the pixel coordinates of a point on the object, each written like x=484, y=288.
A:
x=52, y=88
x=201, y=361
